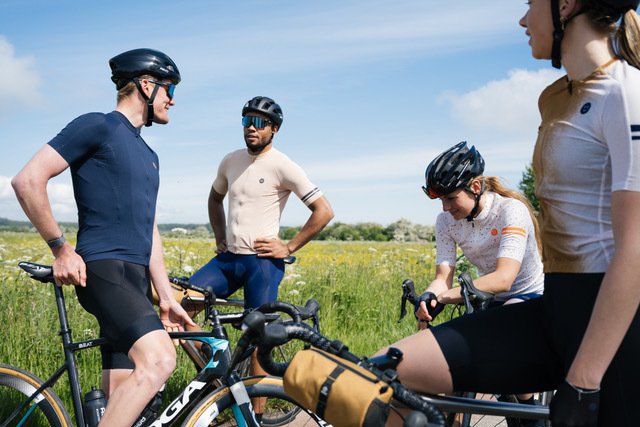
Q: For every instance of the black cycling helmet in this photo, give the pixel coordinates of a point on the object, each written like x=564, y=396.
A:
x=452, y=170
x=616, y=7
x=130, y=65
x=266, y=106
x=133, y=63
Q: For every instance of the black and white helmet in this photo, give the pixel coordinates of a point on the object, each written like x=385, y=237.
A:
x=266, y=106
x=453, y=169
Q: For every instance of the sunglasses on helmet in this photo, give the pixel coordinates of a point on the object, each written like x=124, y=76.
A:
x=169, y=86
x=431, y=193
x=257, y=122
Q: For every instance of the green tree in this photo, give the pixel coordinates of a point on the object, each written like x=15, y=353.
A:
x=527, y=186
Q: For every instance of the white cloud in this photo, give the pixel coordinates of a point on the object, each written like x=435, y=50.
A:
x=6, y=192
x=509, y=105
x=341, y=34
x=20, y=81
x=61, y=198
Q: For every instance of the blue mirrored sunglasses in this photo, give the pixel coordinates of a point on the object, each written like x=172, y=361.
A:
x=257, y=122
x=169, y=86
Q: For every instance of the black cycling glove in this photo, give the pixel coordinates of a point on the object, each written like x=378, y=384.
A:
x=574, y=406
x=428, y=297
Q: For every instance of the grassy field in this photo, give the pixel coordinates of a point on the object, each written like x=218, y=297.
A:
x=357, y=285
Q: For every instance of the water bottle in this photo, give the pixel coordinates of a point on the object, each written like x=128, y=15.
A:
x=95, y=404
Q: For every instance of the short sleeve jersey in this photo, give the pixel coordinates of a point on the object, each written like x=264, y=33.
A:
x=588, y=146
x=503, y=229
x=115, y=182
x=259, y=187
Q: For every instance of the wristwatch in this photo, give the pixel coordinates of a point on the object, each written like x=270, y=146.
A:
x=56, y=243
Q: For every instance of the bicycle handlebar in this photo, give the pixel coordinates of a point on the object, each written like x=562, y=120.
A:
x=267, y=336
x=473, y=298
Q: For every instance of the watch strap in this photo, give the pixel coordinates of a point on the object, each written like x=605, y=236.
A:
x=56, y=243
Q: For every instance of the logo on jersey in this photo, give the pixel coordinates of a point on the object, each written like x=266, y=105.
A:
x=261, y=181
x=585, y=108
x=635, y=132
x=494, y=231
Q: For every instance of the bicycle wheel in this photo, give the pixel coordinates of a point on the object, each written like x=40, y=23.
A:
x=216, y=409
x=46, y=409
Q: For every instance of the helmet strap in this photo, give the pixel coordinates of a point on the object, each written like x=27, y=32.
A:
x=476, y=206
x=148, y=99
x=559, y=26
x=558, y=34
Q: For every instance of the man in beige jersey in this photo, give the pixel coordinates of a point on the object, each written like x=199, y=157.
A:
x=258, y=180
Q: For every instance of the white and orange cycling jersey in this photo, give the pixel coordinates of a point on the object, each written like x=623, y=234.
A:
x=503, y=229
x=588, y=146
x=259, y=187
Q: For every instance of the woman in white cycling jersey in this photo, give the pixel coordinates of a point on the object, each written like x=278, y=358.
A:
x=494, y=227
x=496, y=230
x=582, y=337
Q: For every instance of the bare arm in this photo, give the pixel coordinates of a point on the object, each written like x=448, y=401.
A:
x=618, y=298
x=30, y=186
x=321, y=214
x=217, y=219
x=172, y=314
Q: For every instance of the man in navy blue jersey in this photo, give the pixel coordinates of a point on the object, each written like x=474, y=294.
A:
x=118, y=252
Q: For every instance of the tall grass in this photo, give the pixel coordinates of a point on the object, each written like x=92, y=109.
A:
x=357, y=285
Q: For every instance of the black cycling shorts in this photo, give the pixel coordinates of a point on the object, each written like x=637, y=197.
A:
x=117, y=294
x=529, y=346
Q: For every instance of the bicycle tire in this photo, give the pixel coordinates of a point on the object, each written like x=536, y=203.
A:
x=15, y=386
x=216, y=408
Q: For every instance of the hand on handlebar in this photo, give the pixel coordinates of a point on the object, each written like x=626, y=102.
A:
x=573, y=406
x=427, y=308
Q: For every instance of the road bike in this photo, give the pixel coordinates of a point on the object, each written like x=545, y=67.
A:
x=423, y=410
x=26, y=400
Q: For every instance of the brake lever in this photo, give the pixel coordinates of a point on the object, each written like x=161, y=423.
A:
x=408, y=293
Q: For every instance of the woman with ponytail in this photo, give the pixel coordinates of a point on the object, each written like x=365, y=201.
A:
x=493, y=226
x=582, y=337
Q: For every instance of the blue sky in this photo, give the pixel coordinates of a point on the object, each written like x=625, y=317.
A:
x=371, y=92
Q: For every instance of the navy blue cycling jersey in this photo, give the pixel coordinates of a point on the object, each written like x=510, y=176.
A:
x=115, y=181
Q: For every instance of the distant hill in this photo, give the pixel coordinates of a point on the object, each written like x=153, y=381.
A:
x=26, y=226
x=401, y=230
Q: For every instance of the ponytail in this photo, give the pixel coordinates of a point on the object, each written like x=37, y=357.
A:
x=627, y=38
x=493, y=184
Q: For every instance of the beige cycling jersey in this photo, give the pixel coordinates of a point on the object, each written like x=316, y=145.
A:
x=259, y=187
x=503, y=229
x=588, y=146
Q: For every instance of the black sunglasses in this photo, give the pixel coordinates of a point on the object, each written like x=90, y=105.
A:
x=257, y=122
x=169, y=86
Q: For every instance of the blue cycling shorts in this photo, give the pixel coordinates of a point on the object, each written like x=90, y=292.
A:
x=227, y=272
